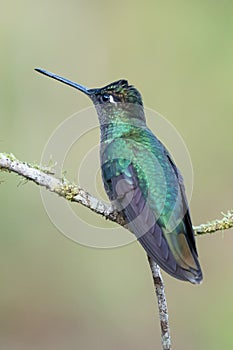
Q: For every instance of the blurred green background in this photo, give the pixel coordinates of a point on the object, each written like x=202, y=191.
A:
x=56, y=294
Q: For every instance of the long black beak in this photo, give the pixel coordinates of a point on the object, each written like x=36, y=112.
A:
x=64, y=80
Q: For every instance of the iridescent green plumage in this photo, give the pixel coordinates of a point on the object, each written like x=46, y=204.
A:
x=142, y=180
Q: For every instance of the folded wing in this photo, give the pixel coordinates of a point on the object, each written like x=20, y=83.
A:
x=174, y=251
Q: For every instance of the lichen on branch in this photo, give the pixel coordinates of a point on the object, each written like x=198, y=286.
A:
x=44, y=176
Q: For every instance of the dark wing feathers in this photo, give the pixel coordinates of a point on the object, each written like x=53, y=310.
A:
x=187, y=219
x=124, y=189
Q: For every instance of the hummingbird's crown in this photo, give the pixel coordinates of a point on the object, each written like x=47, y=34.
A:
x=120, y=91
x=116, y=86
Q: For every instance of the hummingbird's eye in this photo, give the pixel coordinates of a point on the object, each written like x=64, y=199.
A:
x=105, y=98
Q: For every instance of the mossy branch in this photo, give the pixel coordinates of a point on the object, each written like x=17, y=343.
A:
x=44, y=176
x=224, y=223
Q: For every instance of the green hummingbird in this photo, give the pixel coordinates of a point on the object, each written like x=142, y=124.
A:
x=142, y=180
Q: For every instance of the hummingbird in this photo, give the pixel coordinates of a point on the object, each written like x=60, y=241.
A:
x=142, y=180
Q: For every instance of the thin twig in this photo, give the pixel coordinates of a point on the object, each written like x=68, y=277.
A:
x=162, y=305
x=216, y=225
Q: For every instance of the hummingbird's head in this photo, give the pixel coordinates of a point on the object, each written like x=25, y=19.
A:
x=117, y=92
x=116, y=101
